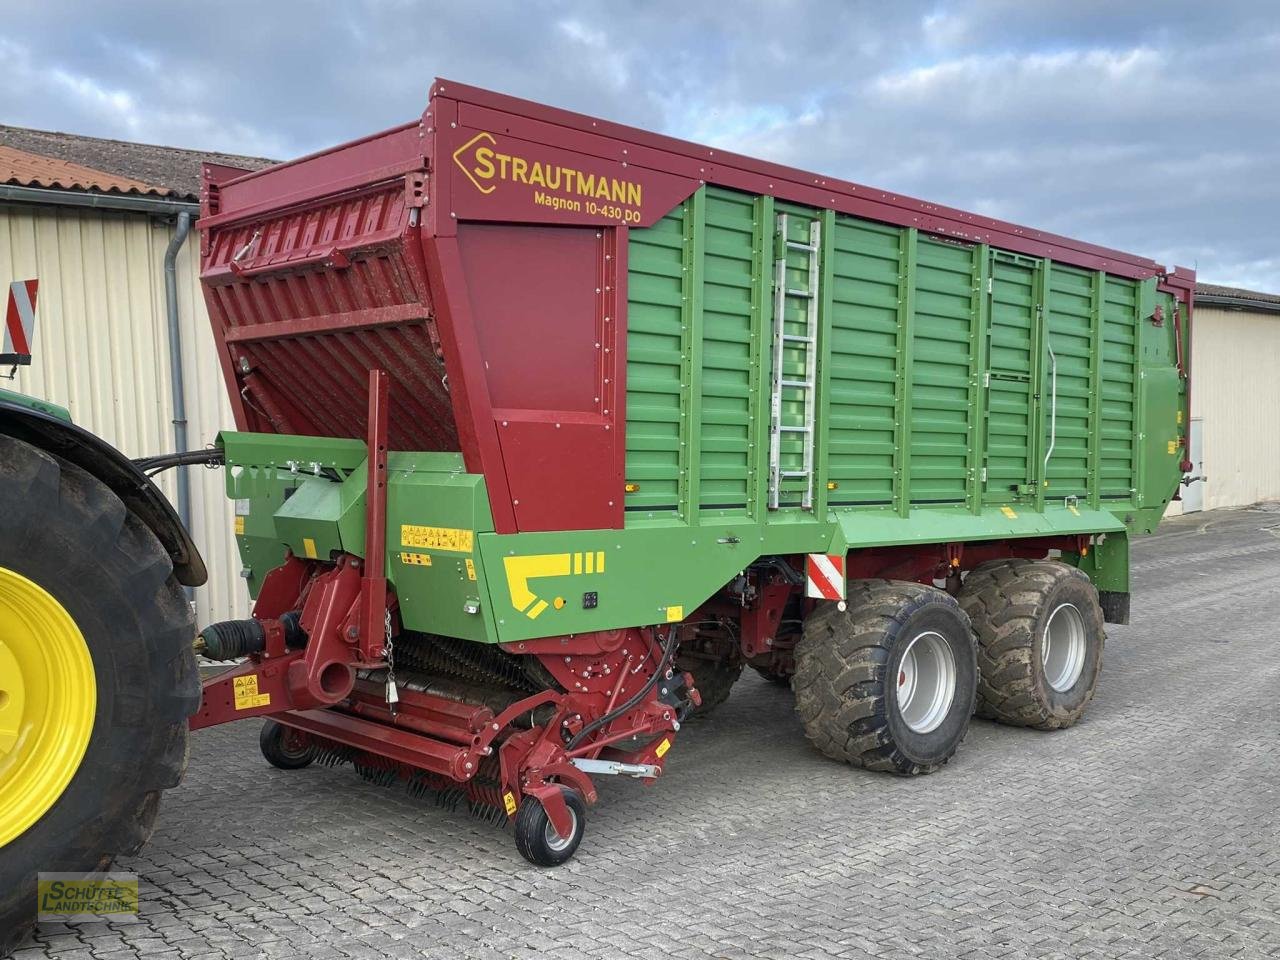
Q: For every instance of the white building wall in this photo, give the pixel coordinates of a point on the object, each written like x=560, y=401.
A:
x=102, y=351
x=1235, y=390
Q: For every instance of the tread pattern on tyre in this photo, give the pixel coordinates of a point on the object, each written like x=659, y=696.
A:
x=1003, y=599
x=60, y=523
x=713, y=679
x=840, y=681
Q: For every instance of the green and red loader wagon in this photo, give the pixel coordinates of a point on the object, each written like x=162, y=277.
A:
x=547, y=427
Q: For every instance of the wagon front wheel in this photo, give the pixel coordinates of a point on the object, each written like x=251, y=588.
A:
x=888, y=683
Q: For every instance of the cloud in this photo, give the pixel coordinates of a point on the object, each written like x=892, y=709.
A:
x=1146, y=128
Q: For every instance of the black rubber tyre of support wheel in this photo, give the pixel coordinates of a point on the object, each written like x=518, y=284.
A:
x=847, y=665
x=532, y=824
x=67, y=532
x=284, y=747
x=1009, y=603
x=713, y=679
x=777, y=679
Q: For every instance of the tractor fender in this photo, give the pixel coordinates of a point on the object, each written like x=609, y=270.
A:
x=42, y=426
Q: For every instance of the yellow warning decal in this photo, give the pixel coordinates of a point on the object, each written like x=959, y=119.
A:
x=416, y=559
x=1009, y=512
x=1173, y=446
x=239, y=526
x=245, y=691
x=436, y=538
x=675, y=614
x=309, y=548
x=471, y=569
x=663, y=747
x=509, y=801
x=1179, y=418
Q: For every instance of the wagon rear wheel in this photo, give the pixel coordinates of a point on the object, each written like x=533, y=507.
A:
x=1040, y=641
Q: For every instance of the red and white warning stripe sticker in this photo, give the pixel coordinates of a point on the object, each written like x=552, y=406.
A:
x=20, y=318
x=824, y=576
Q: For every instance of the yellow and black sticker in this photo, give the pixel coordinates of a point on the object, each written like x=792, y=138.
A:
x=471, y=569
x=436, y=538
x=509, y=801
x=1009, y=512
x=309, y=548
x=239, y=526
x=663, y=747
x=416, y=559
x=1173, y=446
x=675, y=613
x=245, y=691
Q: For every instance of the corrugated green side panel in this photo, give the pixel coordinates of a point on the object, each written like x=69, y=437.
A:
x=694, y=360
x=943, y=340
x=1069, y=321
x=655, y=291
x=864, y=333
x=1119, y=396
x=1011, y=414
x=952, y=376
x=727, y=371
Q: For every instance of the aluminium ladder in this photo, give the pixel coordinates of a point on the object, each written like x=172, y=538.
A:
x=806, y=342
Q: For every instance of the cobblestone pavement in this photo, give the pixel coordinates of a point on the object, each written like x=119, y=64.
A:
x=1149, y=830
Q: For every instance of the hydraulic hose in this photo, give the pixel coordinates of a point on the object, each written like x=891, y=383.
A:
x=668, y=652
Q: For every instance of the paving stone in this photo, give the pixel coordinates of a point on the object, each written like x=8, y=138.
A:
x=1150, y=829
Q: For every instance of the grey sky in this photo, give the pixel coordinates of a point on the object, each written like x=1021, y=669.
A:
x=1153, y=127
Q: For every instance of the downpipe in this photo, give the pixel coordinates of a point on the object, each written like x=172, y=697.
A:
x=181, y=229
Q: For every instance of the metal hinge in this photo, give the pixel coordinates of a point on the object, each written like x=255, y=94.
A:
x=991, y=288
x=984, y=475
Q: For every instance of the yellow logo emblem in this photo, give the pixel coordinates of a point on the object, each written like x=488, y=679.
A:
x=481, y=160
x=552, y=185
x=520, y=570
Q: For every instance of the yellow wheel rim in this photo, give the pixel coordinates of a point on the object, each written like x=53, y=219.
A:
x=48, y=696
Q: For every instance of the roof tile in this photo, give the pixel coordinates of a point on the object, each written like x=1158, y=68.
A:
x=25, y=169
x=165, y=171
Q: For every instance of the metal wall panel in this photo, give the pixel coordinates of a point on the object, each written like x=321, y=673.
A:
x=1235, y=388
x=950, y=378
x=102, y=350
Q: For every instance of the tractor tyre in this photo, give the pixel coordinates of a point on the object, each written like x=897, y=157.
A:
x=1040, y=638
x=889, y=683
x=97, y=678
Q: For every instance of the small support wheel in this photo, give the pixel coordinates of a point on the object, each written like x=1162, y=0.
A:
x=285, y=747
x=538, y=841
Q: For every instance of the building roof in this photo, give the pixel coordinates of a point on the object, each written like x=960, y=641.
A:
x=1217, y=295
x=112, y=165
x=24, y=169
